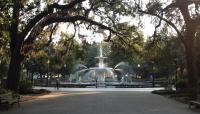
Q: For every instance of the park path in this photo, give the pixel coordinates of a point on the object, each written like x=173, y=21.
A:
x=101, y=102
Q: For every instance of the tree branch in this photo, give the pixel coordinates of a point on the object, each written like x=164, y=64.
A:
x=60, y=17
x=49, y=10
x=51, y=34
x=168, y=22
x=157, y=26
x=183, y=6
x=172, y=5
x=71, y=37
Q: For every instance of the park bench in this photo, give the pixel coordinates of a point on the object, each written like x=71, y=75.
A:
x=195, y=103
x=9, y=99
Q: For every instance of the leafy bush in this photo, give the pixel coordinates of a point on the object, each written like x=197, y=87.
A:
x=181, y=84
x=2, y=90
x=40, y=91
x=163, y=92
x=25, y=86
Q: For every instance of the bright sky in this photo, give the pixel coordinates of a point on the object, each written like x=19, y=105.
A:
x=147, y=29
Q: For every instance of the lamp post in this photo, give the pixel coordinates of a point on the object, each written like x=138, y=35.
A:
x=95, y=79
x=48, y=72
x=31, y=65
x=48, y=62
x=138, y=71
x=153, y=77
x=126, y=84
x=65, y=71
x=176, y=72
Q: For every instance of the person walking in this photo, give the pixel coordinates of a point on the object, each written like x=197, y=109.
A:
x=96, y=82
x=57, y=84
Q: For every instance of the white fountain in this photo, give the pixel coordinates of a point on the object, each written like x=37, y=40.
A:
x=102, y=74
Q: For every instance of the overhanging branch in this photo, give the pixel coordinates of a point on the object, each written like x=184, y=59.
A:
x=46, y=12
x=51, y=34
x=61, y=17
x=168, y=22
x=172, y=5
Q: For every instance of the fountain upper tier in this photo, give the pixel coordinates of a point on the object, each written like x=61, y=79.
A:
x=101, y=58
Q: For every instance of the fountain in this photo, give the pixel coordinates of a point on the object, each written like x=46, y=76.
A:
x=101, y=75
x=120, y=76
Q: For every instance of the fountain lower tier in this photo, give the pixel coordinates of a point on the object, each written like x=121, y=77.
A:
x=98, y=74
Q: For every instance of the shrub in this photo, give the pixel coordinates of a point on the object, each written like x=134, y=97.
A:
x=163, y=92
x=3, y=91
x=25, y=86
x=40, y=91
x=181, y=84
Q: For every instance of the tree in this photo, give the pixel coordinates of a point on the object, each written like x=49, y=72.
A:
x=55, y=59
x=29, y=19
x=128, y=49
x=4, y=40
x=37, y=62
x=166, y=55
x=89, y=53
x=198, y=55
x=183, y=16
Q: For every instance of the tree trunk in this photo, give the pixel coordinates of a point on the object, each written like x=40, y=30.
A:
x=14, y=71
x=191, y=66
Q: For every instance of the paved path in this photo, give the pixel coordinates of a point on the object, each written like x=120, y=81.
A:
x=101, y=102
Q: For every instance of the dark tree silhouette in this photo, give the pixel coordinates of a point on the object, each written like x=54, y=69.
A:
x=184, y=17
x=23, y=34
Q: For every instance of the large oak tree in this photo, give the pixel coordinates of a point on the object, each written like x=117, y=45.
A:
x=184, y=17
x=28, y=18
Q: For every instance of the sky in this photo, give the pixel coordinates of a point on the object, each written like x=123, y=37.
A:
x=147, y=29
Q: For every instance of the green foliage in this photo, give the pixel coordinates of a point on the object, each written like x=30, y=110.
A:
x=129, y=48
x=4, y=37
x=61, y=55
x=3, y=69
x=163, y=55
x=39, y=91
x=25, y=86
x=163, y=92
x=111, y=9
x=90, y=51
x=154, y=7
x=3, y=90
x=181, y=84
x=26, y=20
